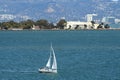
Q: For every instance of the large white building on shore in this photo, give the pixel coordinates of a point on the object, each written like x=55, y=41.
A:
x=80, y=25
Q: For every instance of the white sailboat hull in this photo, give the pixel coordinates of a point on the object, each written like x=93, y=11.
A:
x=47, y=71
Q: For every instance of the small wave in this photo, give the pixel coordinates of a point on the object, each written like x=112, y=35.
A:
x=17, y=71
x=7, y=71
x=28, y=71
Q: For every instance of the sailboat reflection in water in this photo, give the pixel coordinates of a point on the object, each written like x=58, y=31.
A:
x=51, y=67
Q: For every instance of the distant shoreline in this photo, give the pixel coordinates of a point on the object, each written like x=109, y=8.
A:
x=63, y=29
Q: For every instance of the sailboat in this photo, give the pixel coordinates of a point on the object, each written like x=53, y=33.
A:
x=51, y=66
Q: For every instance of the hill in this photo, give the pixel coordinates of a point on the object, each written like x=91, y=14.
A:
x=53, y=10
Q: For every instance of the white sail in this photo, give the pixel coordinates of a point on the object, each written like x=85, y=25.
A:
x=54, y=65
x=49, y=62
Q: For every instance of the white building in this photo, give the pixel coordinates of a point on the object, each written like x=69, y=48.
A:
x=117, y=21
x=89, y=17
x=108, y=20
x=6, y=17
x=35, y=27
x=80, y=25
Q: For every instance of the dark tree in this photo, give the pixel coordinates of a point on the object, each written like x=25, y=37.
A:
x=107, y=26
x=61, y=23
x=100, y=26
x=51, y=25
x=27, y=24
x=43, y=24
x=85, y=26
x=93, y=24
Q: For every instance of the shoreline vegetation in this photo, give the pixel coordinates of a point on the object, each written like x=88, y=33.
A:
x=43, y=24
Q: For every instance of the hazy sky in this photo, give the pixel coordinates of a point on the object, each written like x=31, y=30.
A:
x=50, y=0
x=115, y=0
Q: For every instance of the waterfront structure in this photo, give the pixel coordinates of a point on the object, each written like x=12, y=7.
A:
x=35, y=27
x=8, y=17
x=117, y=21
x=108, y=20
x=89, y=17
x=80, y=25
x=16, y=29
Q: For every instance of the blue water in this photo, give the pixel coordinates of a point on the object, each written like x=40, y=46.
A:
x=81, y=55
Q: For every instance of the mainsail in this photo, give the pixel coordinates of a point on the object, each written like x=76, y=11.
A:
x=49, y=61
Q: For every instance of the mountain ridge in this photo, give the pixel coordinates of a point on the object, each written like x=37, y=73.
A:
x=55, y=10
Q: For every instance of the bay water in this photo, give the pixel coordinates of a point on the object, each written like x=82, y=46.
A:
x=81, y=55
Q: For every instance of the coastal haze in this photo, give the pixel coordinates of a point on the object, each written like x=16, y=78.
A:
x=54, y=10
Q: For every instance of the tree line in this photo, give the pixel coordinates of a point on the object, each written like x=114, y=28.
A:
x=42, y=23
